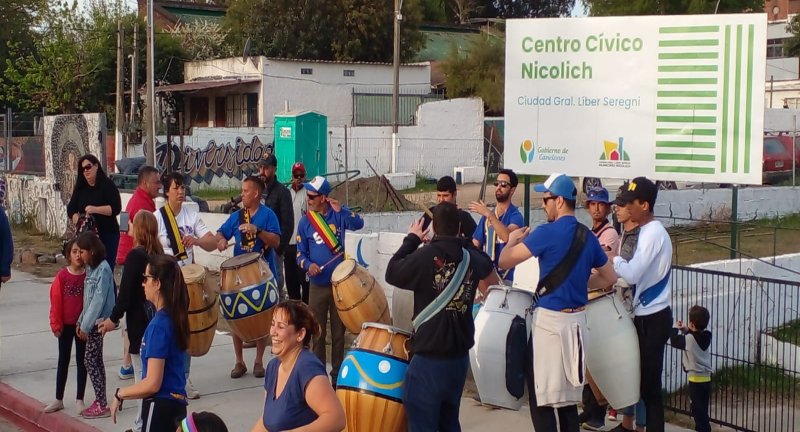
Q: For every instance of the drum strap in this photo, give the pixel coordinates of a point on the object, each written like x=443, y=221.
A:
x=554, y=279
x=650, y=294
x=446, y=296
x=173, y=233
x=325, y=232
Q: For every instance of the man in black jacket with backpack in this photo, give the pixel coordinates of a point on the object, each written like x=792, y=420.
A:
x=444, y=334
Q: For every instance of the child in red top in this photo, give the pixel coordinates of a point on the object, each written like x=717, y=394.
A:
x=66, y=304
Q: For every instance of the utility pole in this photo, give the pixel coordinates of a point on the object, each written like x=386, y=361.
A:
x=149, y=112
x=135, y=75
x=119, y=140
x=396, y=81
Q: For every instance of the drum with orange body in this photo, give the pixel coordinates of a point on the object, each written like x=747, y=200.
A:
x=248, y=293
x=203, y=312
x=370, y=381
x=359, y=298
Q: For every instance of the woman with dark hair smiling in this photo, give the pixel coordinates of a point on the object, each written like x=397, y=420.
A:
x=163, y=385
x=298, y=395
x=96, y=195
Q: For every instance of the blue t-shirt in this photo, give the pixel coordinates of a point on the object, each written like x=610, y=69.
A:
x=290, y=410
x=512, y=216
x=550, y=243
x=311, y=249
x=264, y=219
x=159, y=342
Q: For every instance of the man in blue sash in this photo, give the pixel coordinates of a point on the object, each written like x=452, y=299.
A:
x=444, y=277
x=649, y=270
x=320, y=248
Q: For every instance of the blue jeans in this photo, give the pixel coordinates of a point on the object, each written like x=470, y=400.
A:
x=111, y=242
x=639, y=410
x=432, y=392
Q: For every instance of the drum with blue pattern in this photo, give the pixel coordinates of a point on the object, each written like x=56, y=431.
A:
x=248, y=293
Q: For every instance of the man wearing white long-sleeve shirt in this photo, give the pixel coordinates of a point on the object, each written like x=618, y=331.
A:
x=649, y=270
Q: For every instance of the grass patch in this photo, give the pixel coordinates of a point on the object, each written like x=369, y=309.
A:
x=755, y=377
x=217, y=194
x=789, y=332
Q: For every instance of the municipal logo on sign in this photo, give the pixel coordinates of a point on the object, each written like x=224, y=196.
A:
x=614, y=155
x=526, y=151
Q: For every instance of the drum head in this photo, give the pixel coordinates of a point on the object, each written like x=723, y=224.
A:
x=343, y=270
x=193, y=273
x=239, y=261
x=387, y=327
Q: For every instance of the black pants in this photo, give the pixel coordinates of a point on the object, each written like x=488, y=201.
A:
x=162, y=415
x=699, y=395
x=593, y=411
x=294, y=275
x=68, y=335
x=544, y=418
x=653, y=331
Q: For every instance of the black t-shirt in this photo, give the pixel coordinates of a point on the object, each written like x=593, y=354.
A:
x=468, y=224
x=427, y=271
x=104, y=192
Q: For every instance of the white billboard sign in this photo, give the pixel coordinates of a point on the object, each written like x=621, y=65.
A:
x=667, y=97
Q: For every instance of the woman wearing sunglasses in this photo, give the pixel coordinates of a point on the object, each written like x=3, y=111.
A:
x=163, y=385
x=96, y=195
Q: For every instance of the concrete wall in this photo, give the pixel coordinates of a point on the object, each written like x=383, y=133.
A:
x=43, y=199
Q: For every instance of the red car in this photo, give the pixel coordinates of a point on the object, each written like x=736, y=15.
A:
x=778, y=158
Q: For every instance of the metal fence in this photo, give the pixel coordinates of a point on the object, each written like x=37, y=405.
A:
x=756, y=382
x=375, y=109
x=21, y=143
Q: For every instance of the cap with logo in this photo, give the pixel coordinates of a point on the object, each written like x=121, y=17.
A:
x=598, y=194
x=640, y=188
x=559, y=185
x=298, y=167
x=269, y=161
x=318, y=185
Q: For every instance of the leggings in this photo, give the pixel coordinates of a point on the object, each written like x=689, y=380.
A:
x=159, y=414
x=68, y=335
x=95, y=366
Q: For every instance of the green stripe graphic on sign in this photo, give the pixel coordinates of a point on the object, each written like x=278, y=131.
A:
x=725, y=85
x=749, y=104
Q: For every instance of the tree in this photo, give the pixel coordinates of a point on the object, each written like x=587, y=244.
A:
x=478, y=73
x=527, y=8
x=203, y=40
x=16, y=37
x=464, y=9
x=347, y=30
x=670, y=7
x=434, y=11
x=791, y=46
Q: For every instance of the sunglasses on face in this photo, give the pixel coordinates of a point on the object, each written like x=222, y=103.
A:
x=86, y=168
x=502, y=183
x=298, y=176
x=546, y=199
x=313, y=196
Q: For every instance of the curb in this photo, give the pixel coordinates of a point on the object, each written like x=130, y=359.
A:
x=30, y=410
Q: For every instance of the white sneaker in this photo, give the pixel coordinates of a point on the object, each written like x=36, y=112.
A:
x=191, y=392
x=79, y=406
x=54, y=406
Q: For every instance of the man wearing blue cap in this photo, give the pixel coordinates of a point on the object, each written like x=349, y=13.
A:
x=320, y=248
x=567, y=253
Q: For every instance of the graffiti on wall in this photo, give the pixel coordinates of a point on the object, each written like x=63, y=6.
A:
x=67, y=138
x=215, y=160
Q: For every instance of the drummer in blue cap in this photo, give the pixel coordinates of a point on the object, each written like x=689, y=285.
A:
x=320, y=248
x=567, y=253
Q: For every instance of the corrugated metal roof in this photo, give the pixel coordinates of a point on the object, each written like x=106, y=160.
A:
x=204, y=85
x=417, y=64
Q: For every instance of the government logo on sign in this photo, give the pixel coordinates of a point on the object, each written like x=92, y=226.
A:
x=526, y=151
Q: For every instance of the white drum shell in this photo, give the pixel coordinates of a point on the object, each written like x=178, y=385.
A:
x=612, y=351
x=488, y=356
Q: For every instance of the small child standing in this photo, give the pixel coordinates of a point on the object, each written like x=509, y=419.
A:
x=695, y=341
x=98, y=301
x=66, y=303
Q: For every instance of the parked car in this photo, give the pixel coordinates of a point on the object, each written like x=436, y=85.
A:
x=777, y=165
x=588, y=183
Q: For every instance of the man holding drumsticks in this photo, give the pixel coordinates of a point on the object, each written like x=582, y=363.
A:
x=255, y=229
x=320, y=248
x=567, y=253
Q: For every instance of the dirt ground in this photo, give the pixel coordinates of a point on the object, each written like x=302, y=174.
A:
x=370, y=195
x=39, y=244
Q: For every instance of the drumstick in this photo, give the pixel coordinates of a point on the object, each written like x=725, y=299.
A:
x=322, y=267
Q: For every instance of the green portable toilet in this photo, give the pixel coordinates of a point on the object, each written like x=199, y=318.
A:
x=301, y=136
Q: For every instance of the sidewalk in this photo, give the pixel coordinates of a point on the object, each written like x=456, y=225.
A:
x=28, y=353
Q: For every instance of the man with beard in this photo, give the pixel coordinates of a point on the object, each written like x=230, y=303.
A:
x=496, y=225
x=276, y=197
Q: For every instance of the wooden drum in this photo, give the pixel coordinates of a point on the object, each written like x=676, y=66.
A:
x=370, y=382
x=358, y=296
x=248, y=293
x=203, y=311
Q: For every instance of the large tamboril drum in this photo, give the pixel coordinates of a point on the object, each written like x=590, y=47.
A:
x=488, y=356
x=359, y=298
x=203, y=312
x=248, y=292
x=612, y=350
x=370, y=381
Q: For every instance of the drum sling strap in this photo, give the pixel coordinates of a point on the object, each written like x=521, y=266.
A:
x=248, y=240
x=325, y=232
x=554, y=279
x=446, y=296
x=173, y=233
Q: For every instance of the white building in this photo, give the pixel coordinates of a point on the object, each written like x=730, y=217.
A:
x=237, y=92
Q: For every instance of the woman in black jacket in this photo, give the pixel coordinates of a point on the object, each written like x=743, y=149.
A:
x=96, y=195
x=130, y=300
